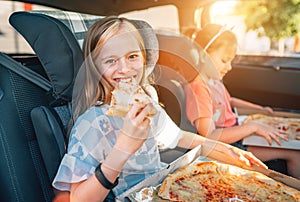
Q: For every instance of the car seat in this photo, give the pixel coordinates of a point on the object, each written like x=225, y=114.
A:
x=21, y=164
x=25, y=175
x=177, y=65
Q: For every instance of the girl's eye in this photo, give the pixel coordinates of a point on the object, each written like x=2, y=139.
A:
x=133, y=56
x=110, y=61
x=225, y=61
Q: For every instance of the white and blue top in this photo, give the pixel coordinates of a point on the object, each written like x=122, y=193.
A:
x=94, y=135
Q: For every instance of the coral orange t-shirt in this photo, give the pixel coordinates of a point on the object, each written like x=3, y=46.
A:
x=209, y=100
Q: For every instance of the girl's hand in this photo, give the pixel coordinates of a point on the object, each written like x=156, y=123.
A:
x=136, y=128
x=268, y=110
x=226, y=153
x=244, y=159
x=268, y=133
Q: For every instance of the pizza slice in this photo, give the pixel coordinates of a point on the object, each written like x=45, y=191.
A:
x=126, y=93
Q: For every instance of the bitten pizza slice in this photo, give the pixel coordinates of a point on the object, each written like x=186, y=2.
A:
x=126, y=93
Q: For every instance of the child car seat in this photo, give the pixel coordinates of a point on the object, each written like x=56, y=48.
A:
x=61, y=56
x=177, y=65
x=24, y=173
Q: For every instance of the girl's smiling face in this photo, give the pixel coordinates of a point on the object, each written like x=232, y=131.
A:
x=121, y=58
x=222, y=58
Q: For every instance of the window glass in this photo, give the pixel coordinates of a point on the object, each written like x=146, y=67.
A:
x=255, y=42
x=10, y=40
x=160, y=18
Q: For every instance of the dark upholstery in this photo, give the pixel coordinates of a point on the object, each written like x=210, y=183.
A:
x=177, y=65
x=55, y=46
x=51, y=137
x=23, y=173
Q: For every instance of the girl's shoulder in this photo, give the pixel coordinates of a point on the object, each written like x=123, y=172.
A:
x=198, y=81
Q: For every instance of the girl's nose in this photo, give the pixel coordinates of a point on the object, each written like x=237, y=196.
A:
x=123, y=65
x=229, y=67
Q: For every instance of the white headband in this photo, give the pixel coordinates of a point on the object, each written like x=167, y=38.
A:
x=221, y=31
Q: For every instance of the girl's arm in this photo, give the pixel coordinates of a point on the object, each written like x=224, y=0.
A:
x=239, y=103
x=206, y=127
x=219, y=151
x=91, y=189
x=131, y=137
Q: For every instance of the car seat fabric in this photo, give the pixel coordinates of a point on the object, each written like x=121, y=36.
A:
x=177, y=65
x=51, y=136
x=56, y=48
x=61, y=56
x=23, y=174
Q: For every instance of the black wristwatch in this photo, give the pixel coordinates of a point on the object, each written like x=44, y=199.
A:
x=103, y=180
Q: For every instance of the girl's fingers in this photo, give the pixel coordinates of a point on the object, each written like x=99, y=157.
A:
x=135, y=110
x=283, y=136
x=275, y=138
x=254, y=160
x=143, y=114
x=269, y=139
x=248, y=158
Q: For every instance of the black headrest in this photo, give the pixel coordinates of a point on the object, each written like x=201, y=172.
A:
x=55, y=46
x=182, y=55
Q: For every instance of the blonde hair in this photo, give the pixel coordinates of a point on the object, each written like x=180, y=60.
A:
x=91, y=88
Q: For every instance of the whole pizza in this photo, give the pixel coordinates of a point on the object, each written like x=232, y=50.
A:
x=213, y=181
x=289, y=126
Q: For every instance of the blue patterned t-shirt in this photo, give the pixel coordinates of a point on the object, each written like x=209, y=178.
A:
x=92, y=138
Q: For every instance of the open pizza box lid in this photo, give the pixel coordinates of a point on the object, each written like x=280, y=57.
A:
x=256, y=140
x=157, y=178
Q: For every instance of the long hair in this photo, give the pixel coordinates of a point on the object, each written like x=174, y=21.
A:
x=91, y=88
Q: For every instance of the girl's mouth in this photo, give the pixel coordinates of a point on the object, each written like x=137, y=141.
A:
x=124, y=78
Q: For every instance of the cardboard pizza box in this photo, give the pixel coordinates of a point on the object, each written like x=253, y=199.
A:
x=195, y=155
x=157, y=178
x=256, y=140
x=241, y=111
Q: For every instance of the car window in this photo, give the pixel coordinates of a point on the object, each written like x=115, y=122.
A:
x=10, y=40
x=160, y=18
x=234, y=14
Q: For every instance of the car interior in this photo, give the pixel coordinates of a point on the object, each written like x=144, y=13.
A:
x=36, y=95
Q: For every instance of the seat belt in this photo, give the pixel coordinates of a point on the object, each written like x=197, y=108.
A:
x=26, y=73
